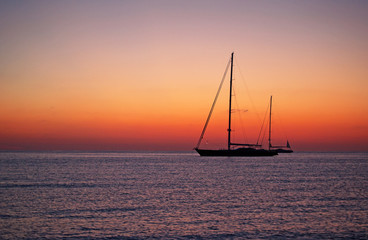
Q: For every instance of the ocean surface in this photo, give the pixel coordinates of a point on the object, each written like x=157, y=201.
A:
x=125, y=195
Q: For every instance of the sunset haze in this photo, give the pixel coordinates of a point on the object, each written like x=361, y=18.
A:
x=142, y=75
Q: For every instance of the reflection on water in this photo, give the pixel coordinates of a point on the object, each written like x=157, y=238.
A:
x=181, y=195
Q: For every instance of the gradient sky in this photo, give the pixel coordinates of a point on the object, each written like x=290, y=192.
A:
x=142, y=75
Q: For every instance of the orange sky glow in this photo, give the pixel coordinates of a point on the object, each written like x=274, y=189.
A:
x=142, y=75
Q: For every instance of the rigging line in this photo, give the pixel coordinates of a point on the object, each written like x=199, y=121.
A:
x=240, y=116
x=213, y=105
x=280, y=123
x=264, y=129
x=264, y=132
x=263, y=124
x=248, y=92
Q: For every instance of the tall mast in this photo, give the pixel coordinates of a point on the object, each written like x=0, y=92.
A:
x=269, y=127
x=231, y=88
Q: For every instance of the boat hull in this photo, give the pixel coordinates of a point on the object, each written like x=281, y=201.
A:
x=239, y=152
x=280, y=150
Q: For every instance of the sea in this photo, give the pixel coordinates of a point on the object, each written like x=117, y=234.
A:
x=180, y=195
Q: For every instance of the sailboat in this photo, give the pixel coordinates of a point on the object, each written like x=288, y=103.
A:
x=233, y=149
x=278, y=149
x=283, y=149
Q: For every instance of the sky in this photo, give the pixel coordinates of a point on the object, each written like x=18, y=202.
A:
x=142, y=75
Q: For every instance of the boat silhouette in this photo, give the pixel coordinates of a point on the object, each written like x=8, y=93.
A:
x=233, y=149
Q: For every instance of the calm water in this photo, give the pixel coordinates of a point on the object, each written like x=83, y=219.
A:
x=183, y=196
